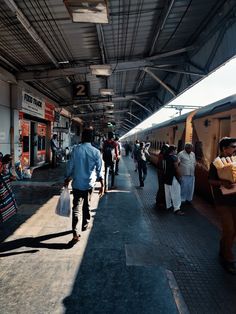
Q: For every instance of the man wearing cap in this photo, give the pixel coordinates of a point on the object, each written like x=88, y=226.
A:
x=225, y=206
x=84, y=168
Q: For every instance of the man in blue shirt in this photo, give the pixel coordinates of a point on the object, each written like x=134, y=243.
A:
x=84, y=168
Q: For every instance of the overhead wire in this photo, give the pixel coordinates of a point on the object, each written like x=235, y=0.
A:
x=136, y=27
x=16, y=31
x=42, y=25
x=177, y=26
x=59, y=30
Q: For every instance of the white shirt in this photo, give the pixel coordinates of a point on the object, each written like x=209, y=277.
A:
x=187, y=163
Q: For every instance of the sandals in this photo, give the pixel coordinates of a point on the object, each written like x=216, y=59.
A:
x=179, y=212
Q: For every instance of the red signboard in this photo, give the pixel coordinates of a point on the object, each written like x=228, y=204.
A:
x=49, y=111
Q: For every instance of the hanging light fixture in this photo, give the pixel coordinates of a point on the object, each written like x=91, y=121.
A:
x=101, y=70
x=88, y=11
x=106, y=91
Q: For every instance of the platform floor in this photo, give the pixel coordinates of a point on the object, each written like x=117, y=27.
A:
x=133, y=258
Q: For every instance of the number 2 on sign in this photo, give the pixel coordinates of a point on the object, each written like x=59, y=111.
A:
x=80, y=90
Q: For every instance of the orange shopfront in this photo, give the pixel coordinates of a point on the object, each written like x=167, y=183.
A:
x=35, y=126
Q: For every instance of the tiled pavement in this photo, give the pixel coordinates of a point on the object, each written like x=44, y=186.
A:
x=125, y=263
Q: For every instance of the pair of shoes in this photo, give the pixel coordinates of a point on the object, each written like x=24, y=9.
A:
x=179, y=212
x=74, y=240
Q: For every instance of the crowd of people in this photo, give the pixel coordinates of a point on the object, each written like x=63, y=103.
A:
x=176, y=177
x=176, y=181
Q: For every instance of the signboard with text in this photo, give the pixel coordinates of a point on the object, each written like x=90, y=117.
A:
x=32, y=105
x=81, y=90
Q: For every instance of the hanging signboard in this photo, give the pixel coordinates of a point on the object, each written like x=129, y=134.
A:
x=32, y=105
x=81, y=90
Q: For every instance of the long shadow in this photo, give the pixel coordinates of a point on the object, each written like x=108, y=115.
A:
x=104, y=283
x=32, y=242
x=17, y=253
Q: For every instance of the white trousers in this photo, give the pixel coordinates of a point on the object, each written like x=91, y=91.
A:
x=172, y=194
x=187, y=188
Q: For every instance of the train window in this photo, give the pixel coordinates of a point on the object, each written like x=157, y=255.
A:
x=198, y=150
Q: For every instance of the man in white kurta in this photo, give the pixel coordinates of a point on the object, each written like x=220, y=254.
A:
x=187, y=169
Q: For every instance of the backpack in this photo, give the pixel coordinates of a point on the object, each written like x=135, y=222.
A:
x=108, y=152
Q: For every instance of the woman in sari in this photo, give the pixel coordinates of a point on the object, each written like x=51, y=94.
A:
x=8, y=206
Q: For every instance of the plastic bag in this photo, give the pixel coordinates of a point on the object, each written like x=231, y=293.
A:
x=63, y=205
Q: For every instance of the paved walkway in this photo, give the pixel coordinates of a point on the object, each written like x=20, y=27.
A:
x=132, y=259
x=41, y=274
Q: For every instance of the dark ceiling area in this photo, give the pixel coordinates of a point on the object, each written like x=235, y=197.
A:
x=120, y=72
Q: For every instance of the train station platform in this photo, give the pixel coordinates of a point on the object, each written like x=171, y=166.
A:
x=133, y=258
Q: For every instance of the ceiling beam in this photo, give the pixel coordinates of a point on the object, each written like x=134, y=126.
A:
x=133, y=115
x=101, y=42
x=164, y=17
x=160, y=82
x=127, y=125
x=176, y=71
x=124, y=127
x=116, y=67
x=127, y=120
x=100, y=113
x=171, y=53
x=7, y=76
x=138, y=103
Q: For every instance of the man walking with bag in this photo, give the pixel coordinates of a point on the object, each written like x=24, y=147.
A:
x=84, y=168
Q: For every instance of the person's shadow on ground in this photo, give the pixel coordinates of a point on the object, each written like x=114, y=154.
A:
x=32, y=242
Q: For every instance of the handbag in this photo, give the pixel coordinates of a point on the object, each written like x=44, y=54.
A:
x=63, y=207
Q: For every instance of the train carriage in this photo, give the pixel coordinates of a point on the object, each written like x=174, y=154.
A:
x=203, y=128
x=210, y=124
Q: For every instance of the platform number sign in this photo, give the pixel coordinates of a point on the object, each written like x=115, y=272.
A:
x=81, y=90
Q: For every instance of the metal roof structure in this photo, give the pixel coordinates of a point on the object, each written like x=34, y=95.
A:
x=156, y=49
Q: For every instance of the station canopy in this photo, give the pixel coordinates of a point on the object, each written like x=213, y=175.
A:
x=114, y=63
